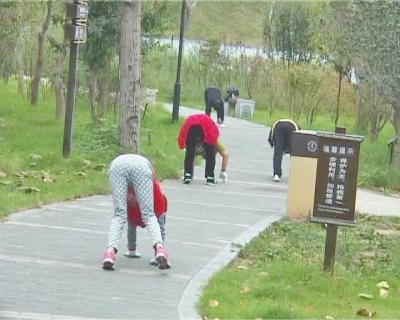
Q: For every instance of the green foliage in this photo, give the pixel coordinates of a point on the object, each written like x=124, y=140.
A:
x=32, y=169
x=279, y=274
x=8, y=18
x=289, y=29
x=306, y=91
x=375, y=27
x=103, y=33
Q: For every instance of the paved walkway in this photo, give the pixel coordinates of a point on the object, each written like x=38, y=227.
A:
x=50, y=257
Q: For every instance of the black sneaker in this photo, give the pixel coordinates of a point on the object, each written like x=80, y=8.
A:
x=211, y=181
x=187, y=178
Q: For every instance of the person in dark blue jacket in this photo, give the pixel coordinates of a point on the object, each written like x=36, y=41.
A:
x=213, y=99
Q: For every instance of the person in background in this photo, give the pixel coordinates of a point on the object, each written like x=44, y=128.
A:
x=213, y=99
x=280, y=139
x=135, y=171
x=135, y=219
x=231, y=99
x=199, y=131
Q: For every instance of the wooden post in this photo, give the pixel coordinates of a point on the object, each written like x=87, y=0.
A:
x=331, y=233
x=69, y=111
x=330, y=247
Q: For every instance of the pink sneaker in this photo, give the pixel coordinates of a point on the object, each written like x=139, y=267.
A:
x=109, y=260
x=162, y=257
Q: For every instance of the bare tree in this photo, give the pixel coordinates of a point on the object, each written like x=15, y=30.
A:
x=40, y=55
x=129, y=70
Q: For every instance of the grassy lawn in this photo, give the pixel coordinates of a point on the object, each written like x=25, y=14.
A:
x=279, y=275
x=32, y=169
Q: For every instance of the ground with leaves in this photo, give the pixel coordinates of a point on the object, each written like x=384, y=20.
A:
x=279, y=275
x=33, y=171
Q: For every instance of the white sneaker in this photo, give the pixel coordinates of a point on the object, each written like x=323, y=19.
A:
x=223, y=176
x=153, y=262
x=276, y=178
x=132, y=254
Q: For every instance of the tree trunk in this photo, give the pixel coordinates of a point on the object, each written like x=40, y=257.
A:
x=40, y=55
x=338, y=99
x=396, y=150
x=129, y=70
x=104, y=89
x=93, y=94
x=20, y=66
x=59, y=85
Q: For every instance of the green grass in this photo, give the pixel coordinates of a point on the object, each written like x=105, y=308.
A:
x=279, y=274
x=31, y=151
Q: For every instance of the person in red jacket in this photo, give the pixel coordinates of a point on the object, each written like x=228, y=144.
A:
x=199, y=131
x=135, y=219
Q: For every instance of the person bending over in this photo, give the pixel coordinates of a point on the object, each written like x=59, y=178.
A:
x=199, y=131
x=280, y=139
x=133, y=171
x=213, y=99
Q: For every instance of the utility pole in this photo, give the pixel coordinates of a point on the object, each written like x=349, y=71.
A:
x=177, y=86
x=76, y=33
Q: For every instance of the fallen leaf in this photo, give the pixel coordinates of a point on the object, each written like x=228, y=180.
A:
x=365, y=312
x=368, y=254
x=100, y=166
x=383, y=284
x=383, y=293
x=329, y=318
x=86, y=163
x=6, y=183
x=245, y=289
x=263, y=273
x=22, y=174
x=46, y=176
x=243, y=267
x=2, y=174
x=35, y=157
x=387, y=232
x=366, y=296
x=213, y=303
x=30, y=189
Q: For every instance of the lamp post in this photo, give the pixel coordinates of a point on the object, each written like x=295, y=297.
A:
x=75, y=31
x=177, y=86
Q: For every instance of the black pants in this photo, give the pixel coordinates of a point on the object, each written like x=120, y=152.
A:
x=282, y=140
x=195, y=136
x=213, y=99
